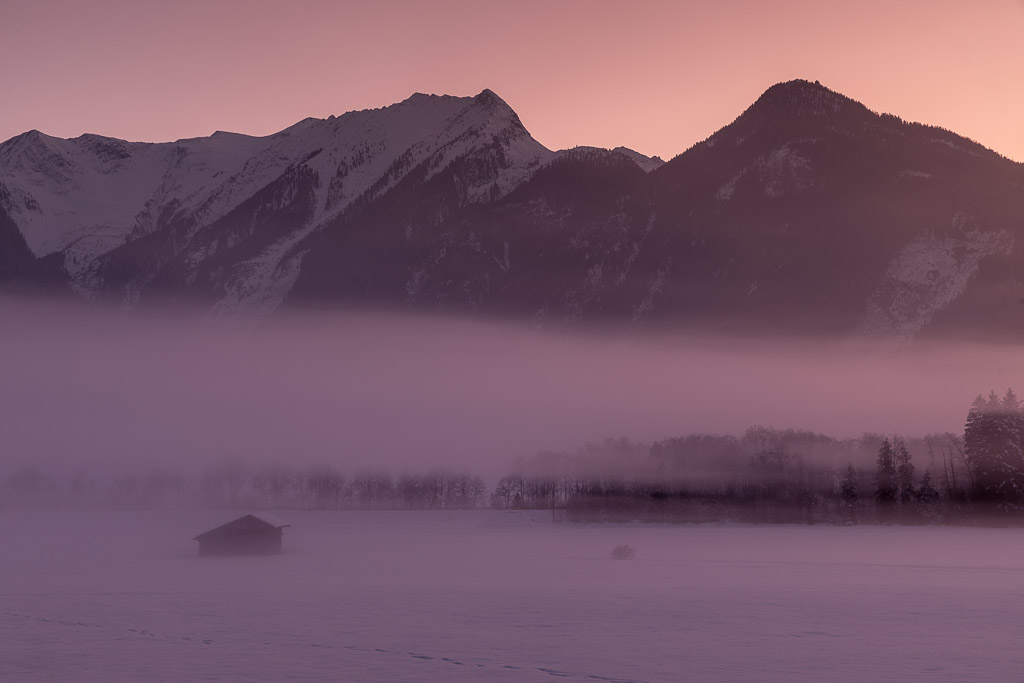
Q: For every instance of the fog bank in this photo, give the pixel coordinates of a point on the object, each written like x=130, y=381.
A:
x=93, y=388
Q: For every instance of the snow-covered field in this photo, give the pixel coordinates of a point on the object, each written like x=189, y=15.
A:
x=468, y=596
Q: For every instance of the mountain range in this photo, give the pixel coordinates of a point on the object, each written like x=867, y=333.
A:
x=808, y=214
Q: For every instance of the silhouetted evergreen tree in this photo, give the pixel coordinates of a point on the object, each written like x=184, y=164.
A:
x=848, y=490
x=904, y=471
x=994, y=447
x=926, y=493
x=886, y=487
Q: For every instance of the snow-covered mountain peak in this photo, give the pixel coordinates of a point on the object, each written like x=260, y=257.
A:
x=488, y=98
x=27, y=138
x=27, y=148
x=68, y=191
x=83, y=190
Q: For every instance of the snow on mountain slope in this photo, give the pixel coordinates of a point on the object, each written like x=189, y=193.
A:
x=198, y=169
x=83, y=192
x=928, y=274
x=362, y=155
x=373, y=149
x=350, y=153
x=86, y=196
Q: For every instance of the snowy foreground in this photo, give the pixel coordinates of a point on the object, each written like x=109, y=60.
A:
x=495, y=596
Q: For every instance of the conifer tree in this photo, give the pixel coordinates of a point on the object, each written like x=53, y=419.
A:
x=904, y=471
x=885, y=476
x=994, y=446
x=848, y=487
x=977, y=435
x=927, y=494
x=1009, y=402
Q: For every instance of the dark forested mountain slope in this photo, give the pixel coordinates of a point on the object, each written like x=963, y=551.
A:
x=810, y=210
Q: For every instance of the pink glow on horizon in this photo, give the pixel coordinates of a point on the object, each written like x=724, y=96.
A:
x=658, y=77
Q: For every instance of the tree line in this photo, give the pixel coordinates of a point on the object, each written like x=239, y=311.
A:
x=234, y=483
x=764, y=475
x=792, y=476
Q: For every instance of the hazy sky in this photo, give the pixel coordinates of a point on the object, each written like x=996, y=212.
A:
x=655, y=76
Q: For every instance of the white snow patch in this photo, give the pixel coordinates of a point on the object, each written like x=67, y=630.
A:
x=955, y=145
x=260, y=285
x=647, y=304
x=782, y=171
x=785, y=170
x=929, y=273
x=728, y=189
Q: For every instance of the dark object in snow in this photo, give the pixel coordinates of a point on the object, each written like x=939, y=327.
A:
x=253, y=534
x=623, y=552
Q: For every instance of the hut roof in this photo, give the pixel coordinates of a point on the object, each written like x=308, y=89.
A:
x=264, y=517
x=270, y=519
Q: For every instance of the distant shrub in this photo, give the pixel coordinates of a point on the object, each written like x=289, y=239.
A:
x=623, y=552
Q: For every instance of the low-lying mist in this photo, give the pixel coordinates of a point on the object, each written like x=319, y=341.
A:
x=92, y=388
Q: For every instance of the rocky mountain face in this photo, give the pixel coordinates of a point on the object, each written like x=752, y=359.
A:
x=808, y=214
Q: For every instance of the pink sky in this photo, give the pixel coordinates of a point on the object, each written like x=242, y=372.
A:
x=654, y=76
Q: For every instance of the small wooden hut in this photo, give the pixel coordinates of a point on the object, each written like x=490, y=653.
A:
x=257, y=533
